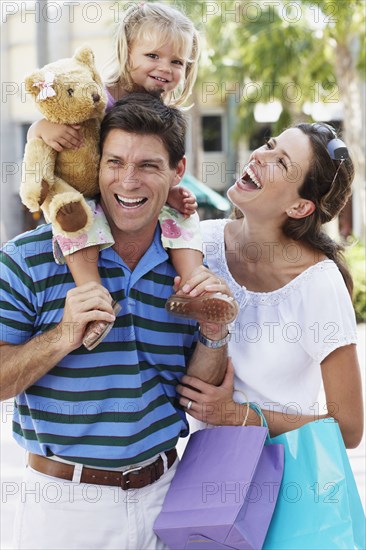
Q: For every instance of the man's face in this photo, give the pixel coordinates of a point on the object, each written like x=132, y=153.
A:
x=134, y=180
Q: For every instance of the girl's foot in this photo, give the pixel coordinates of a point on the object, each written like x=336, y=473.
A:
x=207, y=308
x=96, y=331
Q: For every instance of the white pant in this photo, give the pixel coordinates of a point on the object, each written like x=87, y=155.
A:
x=55, y=514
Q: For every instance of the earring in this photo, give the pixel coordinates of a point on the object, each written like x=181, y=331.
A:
x=290, y=212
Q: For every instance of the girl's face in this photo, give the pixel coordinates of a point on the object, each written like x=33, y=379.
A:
x=156, y=68
x=274, y=174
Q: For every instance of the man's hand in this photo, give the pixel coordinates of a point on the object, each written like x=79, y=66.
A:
x=88, y=302
x=202, y=280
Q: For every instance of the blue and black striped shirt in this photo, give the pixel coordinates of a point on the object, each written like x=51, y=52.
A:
x=115, y=405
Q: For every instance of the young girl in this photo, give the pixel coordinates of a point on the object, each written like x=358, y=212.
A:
x=157, y=49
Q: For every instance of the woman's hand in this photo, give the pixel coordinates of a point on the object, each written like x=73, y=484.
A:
x=212, y=404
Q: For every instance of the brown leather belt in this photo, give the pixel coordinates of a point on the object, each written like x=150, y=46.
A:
x=133, y=478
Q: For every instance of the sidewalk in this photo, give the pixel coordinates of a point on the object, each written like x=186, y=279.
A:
x=12, y=459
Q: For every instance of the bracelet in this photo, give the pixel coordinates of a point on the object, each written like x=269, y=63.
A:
x=214, y=344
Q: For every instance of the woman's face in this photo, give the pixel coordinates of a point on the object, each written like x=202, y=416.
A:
x=274, y=174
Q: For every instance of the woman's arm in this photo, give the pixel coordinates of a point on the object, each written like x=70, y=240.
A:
x=343, y=391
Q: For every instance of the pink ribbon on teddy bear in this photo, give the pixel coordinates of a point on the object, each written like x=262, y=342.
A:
x=45, y=86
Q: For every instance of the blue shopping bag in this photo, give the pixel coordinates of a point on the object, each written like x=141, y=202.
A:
x=318, y=505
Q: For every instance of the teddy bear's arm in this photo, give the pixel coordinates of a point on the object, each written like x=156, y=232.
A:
x=37, y=173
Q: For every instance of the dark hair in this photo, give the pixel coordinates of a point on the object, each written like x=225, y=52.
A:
x=329, y=194
x=146, y=114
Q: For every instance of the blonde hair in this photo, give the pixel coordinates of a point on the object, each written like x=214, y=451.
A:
x=155, y=22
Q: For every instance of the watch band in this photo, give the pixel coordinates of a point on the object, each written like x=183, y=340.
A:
x=214, y=344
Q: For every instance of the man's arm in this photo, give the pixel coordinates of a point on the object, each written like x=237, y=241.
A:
x=209, y=363
x=23, y=364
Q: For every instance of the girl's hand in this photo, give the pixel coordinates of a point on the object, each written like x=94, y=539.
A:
x=57, y=136
x=182, y=200
x=212, y=404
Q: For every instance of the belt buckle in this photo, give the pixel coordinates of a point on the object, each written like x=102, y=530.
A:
x=131, y=471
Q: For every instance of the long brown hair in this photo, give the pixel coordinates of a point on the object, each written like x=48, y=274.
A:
x=329, y=194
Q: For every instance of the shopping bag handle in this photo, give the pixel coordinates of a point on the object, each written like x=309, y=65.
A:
x=246, y=402
x=254, y=407
x=259, y=412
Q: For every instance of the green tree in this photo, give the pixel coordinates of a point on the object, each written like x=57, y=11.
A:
x=343, y=37
x=294, y=52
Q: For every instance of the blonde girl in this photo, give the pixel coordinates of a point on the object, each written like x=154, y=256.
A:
x=157, y=50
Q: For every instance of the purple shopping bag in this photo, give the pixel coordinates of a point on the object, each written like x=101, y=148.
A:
x=224, y=491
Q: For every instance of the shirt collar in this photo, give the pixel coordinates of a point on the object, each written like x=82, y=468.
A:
x=153, y=256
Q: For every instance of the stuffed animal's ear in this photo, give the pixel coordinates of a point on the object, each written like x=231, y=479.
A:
x=31, y=82
x=85, y=55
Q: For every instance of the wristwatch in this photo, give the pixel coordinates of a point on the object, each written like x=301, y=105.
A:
x=214, y=344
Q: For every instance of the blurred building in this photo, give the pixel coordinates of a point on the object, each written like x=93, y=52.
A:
x=35, y=33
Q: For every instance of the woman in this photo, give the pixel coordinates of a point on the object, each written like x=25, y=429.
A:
x=296, y=326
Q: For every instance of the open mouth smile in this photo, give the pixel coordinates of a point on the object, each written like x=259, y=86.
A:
x=127, y=202
x=249, y=180
x=159, y=79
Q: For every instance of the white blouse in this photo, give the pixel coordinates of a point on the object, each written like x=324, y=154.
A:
x=280, y=338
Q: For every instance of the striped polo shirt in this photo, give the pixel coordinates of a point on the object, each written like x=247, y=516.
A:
x=115, y=405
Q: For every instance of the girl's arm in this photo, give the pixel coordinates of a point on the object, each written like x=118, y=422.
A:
x=343, y=391
x=57, y=136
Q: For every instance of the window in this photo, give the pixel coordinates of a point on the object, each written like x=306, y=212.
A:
x=259, y=136
x=212, y=133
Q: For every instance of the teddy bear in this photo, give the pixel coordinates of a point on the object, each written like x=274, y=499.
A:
x=68, y=91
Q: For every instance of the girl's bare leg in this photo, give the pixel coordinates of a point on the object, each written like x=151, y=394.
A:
x=83, y=265
x=185, y=261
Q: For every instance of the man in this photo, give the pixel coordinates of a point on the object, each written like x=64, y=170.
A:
x=101, y=427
